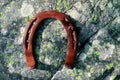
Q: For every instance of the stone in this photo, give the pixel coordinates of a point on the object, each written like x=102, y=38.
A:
x=82, y=56
x=64, y=74
x=108, y=78
x=26, y=9
x=4, y=31
x=98, y=28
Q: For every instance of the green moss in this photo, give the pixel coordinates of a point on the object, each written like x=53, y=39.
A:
x=58, y=5
x=92, y=70
x=8, y=7
x=97, y=52
x=12, y=46
x=11, y=60
x=74, y=72
x=113, y=76
x=37, y=51
x=3, y=16
x=86, y=74
x=1, y=78
x=55, y=51
x=80, y=70
x=65, y=3
x=5, y=56
x=55, y=64
x=79, y=78
x=110, y=65
x=94, y=46
x=12, y=2
x=26, y=20
x=15, y=32
x=31, y=16
x=0, y=13
x=95, y=18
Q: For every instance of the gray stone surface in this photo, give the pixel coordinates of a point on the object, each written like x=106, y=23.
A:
x=98, y=26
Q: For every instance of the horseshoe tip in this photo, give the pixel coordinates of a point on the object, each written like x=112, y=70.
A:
x=30, y=67
x=68, y=66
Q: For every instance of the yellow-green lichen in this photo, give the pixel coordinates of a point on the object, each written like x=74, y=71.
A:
x=95, y=18
x=3, y=16
x=97, y=52
x=79, y=78
x=63, y=3
x=1, y=78
x=12, y=46
x=12, y=2
x=109, y=66
x=11, y=60
x=92, y=70
x=58, y=5
x=75, y=73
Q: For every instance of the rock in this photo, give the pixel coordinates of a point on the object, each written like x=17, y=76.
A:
x=64, y=74
x=82, y=56
x=108, y=78
x=98, y=28
x=26, y=9
x=4, y=31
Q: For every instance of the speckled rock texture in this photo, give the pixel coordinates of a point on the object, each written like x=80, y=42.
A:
x=98, y=28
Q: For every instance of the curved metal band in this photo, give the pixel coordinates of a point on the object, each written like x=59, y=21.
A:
x=30, y=31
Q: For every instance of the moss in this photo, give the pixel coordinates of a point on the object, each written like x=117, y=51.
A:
x=31, y=16
x=65, y=3
x=3, y=16
x=11, y=60
x=5, y=56
x=1, y=78
x=113, y=76
x=8, y=7
x=95, y=18
x=97, y=52
x=109, y=66
x=80, y=70
x=55, y=64
x=92, y=70
x=12, y=46
x=79, y=78
x=74, y=72
x=94, y=46
x=55, y=51
x=26, y=19
x=12, y=2
x=86, y=74
x=37, y=51
x=0, y=13
x=58, y=5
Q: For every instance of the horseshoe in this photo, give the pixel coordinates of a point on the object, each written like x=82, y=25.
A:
x=30, y=31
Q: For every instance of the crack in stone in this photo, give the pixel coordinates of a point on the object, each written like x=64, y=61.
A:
x=6, y=4
x=82, y=46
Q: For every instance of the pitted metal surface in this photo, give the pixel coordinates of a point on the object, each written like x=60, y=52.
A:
x=30, y=31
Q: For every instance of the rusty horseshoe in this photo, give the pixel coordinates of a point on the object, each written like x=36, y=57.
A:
x=30, y=31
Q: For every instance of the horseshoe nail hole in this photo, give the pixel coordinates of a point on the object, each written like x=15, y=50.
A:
x=27, y=41
x=29, y=31
x=66, y=20
x=70, y=24
x=34, y=22
x=70, y=28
